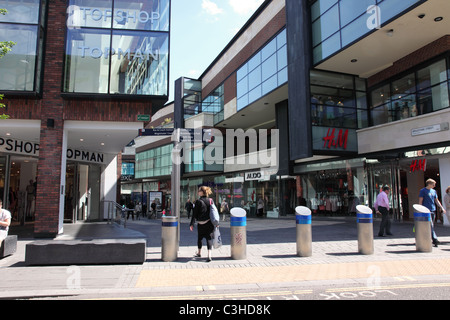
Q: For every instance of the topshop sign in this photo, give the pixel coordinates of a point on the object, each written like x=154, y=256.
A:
x=79, y=16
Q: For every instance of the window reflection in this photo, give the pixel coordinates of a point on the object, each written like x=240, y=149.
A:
x=404, y=98
x=264, y=72
x=19, y=64
x=335, y=102
x=140, y=66
x=111, y=47
x=26, y=12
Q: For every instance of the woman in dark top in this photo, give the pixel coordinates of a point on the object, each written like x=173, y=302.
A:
x=205, y=227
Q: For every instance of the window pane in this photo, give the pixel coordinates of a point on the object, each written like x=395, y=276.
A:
x=282, y=57
x=434, y=74
x=281, y=39
x=381, y=96
x=254, y=62
x=269, y=85
x=242, y=87
x=320, y=6
x=434, y=98
x=242, y=72
x=351, y=9
x=141, y=15
x=327, y=48
x=404, y=108
x=19, y=64
x=269, y=67
x=87, y=61
x=139, y=63
x=326, y=25
x=25, y=12
x=269, y=49
x=403, y=86
x=380, y=114
x=254, y=78
x=89, y=13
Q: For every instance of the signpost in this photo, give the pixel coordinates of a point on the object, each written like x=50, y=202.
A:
x=143, y=117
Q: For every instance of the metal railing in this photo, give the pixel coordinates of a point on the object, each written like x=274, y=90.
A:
x=116, y=212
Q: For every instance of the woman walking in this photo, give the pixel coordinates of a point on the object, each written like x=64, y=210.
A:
x=205, y=227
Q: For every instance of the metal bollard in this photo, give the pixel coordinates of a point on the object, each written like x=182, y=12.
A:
x=422, y=226
x=364, y=218
x=169, y=237
x=304, y=234
x=238, y=227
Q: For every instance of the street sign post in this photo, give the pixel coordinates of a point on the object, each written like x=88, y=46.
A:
x=143, y=117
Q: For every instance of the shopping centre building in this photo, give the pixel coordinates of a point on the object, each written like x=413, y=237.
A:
x=357, y=92
x=75, y=83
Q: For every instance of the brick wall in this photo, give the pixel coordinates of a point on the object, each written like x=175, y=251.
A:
x=53, y=106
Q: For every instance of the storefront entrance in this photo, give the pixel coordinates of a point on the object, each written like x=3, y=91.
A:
x=18, y=186
x=82, y=198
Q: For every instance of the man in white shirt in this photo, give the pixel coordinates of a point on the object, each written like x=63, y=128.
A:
x=5, y=221
x=382, y=206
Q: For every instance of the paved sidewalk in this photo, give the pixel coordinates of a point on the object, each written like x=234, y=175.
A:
x=271, y=259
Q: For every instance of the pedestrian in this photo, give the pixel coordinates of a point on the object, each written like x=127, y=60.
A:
x=224, y=209
x=138, y=210
x=5, y=221
x=447, y=203
x=153, y=208
x=202, y=207
x=189, y=206
x=382, y=207
x=260, y=207
x=429, y=199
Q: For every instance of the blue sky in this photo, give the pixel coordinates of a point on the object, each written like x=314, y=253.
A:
x=200, y=30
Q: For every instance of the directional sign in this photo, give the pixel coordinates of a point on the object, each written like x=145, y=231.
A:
x=156, y=132
x=194, y=134
x=143, y=117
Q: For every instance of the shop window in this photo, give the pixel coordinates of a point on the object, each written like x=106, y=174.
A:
x=407, y=97
x=23, y=64
x=112, y=47
x=335, y=102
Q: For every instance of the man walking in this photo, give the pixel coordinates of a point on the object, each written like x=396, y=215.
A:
x=429, y=199
x=382, y=206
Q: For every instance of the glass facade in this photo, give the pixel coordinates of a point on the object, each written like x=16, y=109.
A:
x=23, y=24
x=117, y=47
x=267, y=197
x=333, y=188
x=419, y=92
x=264, y=72
x=338, y=100
x=154, y=163
x=338, y=23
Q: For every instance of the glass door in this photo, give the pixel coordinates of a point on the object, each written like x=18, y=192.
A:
x=82, y=200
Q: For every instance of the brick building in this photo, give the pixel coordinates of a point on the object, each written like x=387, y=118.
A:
x=78, y=77
x=357, y=89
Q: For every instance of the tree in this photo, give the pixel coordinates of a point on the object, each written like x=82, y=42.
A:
x=5, y=47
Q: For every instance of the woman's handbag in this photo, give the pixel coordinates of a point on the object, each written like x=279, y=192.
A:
x=217, y=240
